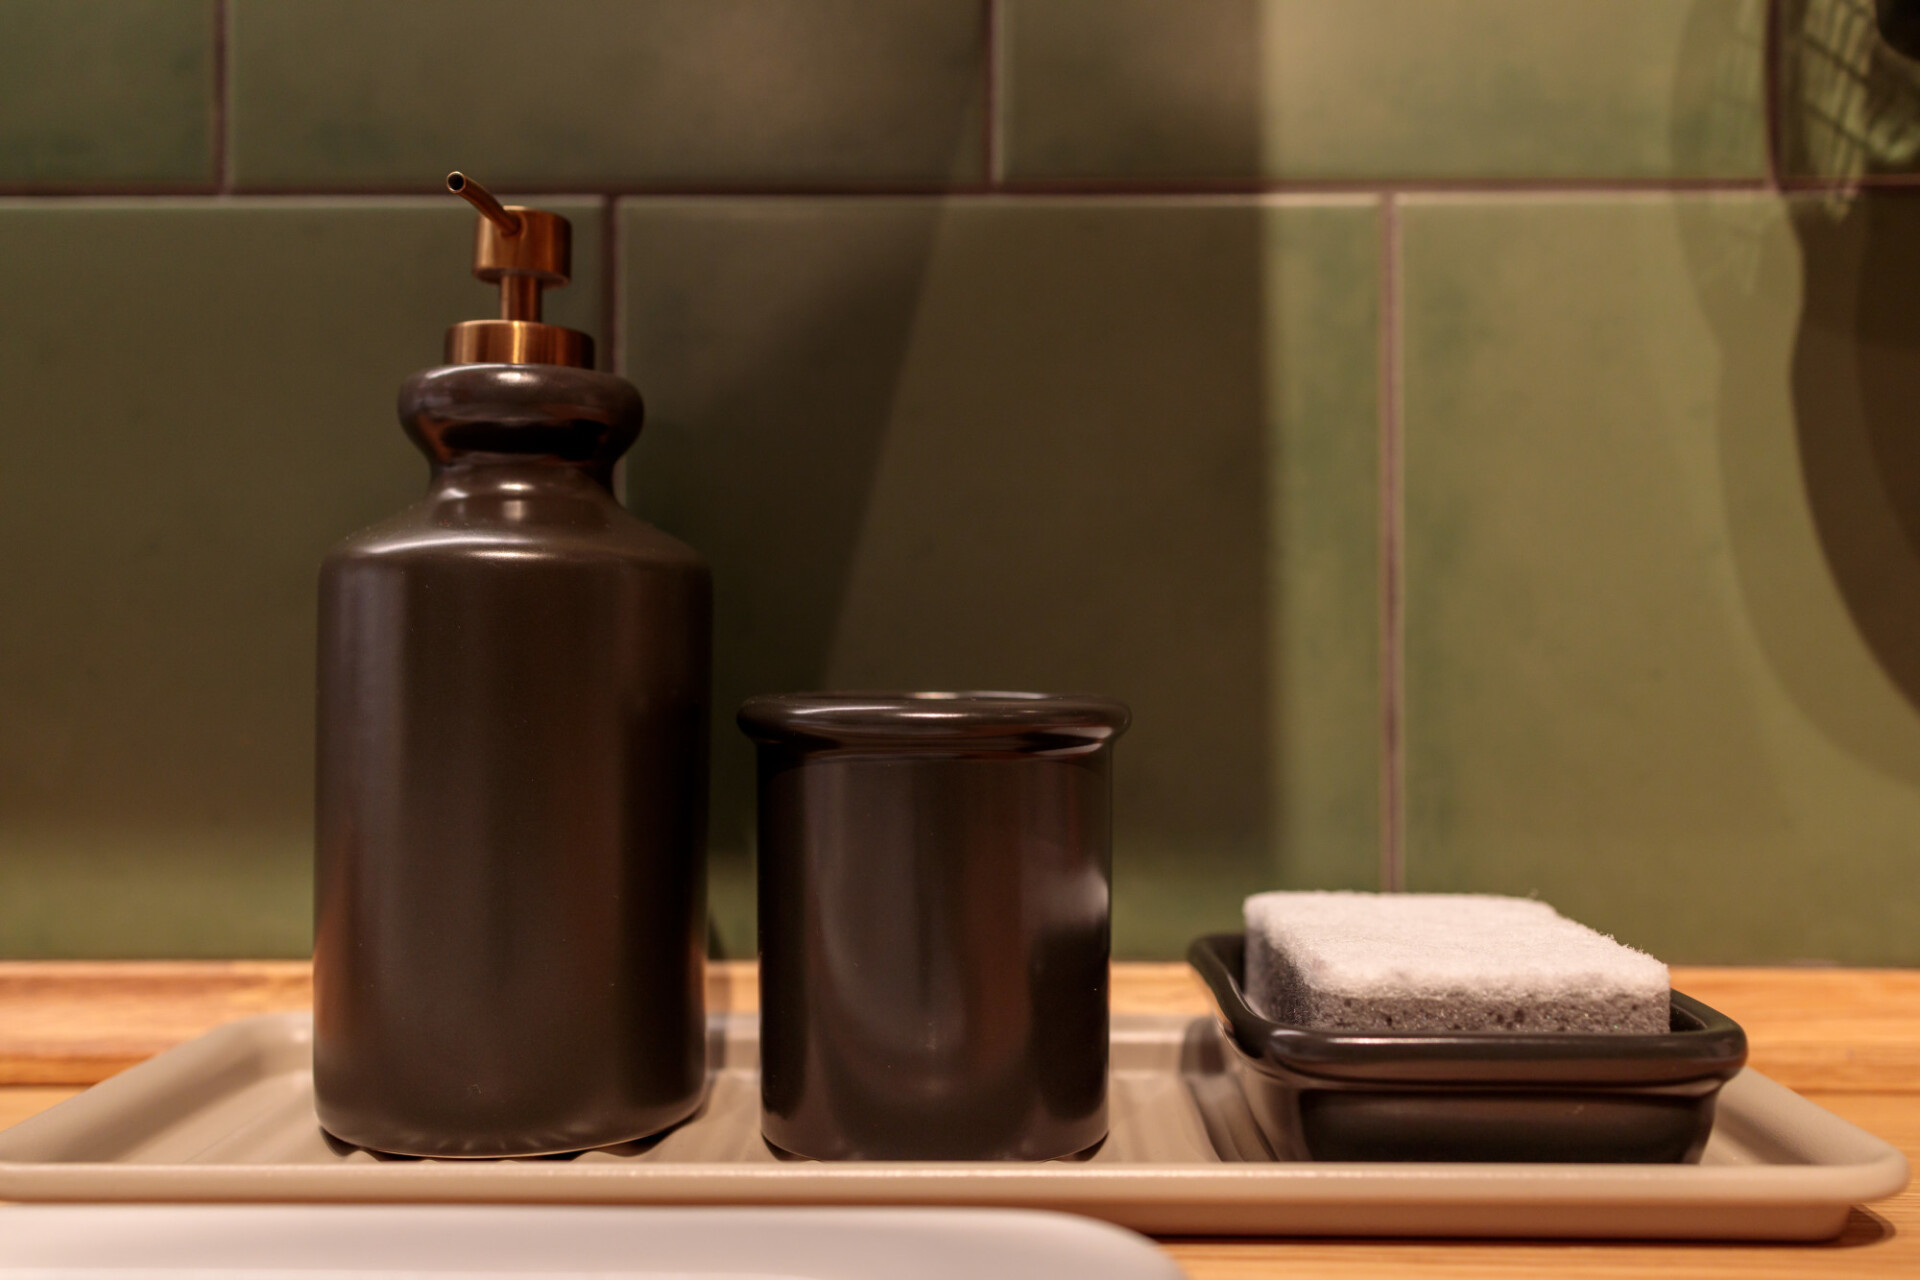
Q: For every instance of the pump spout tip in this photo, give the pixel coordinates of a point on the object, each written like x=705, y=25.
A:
x=482, y=199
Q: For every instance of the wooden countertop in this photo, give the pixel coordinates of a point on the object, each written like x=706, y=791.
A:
x=1849, y=1038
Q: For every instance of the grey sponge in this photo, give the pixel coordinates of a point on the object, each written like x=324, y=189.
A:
x=1441, y=962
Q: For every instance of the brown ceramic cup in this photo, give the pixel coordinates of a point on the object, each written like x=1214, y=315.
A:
x=934, y=923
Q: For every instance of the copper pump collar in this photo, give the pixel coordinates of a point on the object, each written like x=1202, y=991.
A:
x=524, y=251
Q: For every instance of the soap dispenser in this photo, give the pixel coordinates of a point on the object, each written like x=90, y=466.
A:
x=512, y=762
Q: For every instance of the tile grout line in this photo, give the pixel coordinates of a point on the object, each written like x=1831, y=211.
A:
x=1393, y=877
x=1669, y=185
x=990, y=95
x=1896, y=185
x=222, y=175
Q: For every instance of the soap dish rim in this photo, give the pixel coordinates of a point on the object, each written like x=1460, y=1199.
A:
x=1702, y=1045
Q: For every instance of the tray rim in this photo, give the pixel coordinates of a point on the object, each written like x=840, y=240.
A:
x=1786, y=1201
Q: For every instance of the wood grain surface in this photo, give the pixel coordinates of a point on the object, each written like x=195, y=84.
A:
x=1850, y=1039
x=78, y=1022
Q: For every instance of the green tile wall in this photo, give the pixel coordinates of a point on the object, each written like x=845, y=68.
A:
x=1017, y=444
x=1248, y=90
x=102, y=92
x=1472, y=433
x=634, y=93
x=200, y=402
x=1663, y=568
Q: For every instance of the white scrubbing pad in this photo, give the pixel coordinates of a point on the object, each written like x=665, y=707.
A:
x=1438, y=962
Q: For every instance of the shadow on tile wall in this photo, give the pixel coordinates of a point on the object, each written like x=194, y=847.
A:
x=1856, y=397
x=1114, y=445
x=1049, y=343
x=1848, y=106
x=1030, y=445
x=1658, y=541
x=1853, y=116
x=1811, y=302
x=351, y=95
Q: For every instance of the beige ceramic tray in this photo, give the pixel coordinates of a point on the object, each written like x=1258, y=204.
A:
x=229, y=1117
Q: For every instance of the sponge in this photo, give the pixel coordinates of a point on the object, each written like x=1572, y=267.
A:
x=1443, y=962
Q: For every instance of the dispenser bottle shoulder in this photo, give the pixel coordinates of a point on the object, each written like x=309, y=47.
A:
x=508, y=520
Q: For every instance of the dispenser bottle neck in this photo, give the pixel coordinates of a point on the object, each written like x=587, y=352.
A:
x=507, y=479
x=471, y=417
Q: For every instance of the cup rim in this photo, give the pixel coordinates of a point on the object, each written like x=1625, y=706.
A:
x=909, y=717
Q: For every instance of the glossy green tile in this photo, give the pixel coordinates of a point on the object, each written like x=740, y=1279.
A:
x=105, y=92
x=200, y=402
x=1248, y=90
x=1663, y=567
x=594, y=93
x=1114, y=446
x=1131, y=89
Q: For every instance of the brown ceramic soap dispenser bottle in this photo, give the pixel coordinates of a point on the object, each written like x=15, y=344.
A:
x=513, y=683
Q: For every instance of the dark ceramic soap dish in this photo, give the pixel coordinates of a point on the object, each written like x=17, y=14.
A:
x=1482, y=1096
